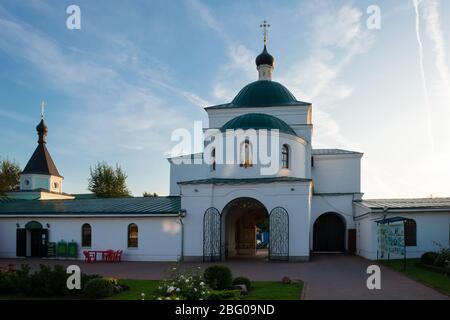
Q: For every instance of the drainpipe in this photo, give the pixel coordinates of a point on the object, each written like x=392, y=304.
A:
x=181, y=215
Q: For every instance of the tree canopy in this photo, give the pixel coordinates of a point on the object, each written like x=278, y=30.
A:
x=108, y=182
x=149, y=194
x=9, y=176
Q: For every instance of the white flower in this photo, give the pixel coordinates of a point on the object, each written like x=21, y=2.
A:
x=177, y=298
x=159, y=298
x=187, y=280
x=170, y=289
x=168, y=298
x=195, y=289
x=202, y=283
x=178, y=290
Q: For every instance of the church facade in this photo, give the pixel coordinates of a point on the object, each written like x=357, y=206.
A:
x=301, y=200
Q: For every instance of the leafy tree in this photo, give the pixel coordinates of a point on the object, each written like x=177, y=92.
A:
x=149, y=194
x=9, y=176
x=107, y=182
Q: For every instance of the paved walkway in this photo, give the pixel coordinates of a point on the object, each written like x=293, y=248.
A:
x=327, y=276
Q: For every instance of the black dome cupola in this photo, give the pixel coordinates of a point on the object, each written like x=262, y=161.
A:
x=42, y=131
x=265, y=58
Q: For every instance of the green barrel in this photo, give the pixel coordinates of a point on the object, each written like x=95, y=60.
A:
x=72, y=249
x=61, y=249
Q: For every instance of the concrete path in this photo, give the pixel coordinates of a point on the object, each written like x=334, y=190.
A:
x=327, y=276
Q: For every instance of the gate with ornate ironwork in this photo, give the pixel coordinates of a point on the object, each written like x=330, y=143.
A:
x=279, y=234
x=211, y=235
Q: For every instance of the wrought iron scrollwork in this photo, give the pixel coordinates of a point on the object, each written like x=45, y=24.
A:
x=211, y=235
x=279, y=234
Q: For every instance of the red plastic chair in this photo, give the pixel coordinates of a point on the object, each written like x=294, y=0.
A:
x=89, y=257
x=118, y=256
x=108, y=256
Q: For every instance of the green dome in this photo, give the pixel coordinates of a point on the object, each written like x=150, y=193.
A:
x=257, y=121
x=264, y=93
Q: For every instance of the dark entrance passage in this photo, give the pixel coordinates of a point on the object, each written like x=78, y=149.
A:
x=329, y=233
x=32, y=240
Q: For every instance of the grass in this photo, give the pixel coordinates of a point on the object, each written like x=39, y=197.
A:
x=274, y=290
x=261, y=290
x=428, y=277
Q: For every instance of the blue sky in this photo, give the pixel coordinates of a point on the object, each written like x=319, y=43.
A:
x=137, y=70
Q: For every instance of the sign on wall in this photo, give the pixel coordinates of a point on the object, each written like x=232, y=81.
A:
x=391, y=239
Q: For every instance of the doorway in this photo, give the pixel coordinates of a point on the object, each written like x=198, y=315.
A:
x=329, y=233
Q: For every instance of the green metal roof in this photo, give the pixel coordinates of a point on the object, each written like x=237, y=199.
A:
x=262, y=93
x=327, y=152
x=418, y=203
x=144, y=205
x=258, y=121
x=220, y=181
x=6, y=199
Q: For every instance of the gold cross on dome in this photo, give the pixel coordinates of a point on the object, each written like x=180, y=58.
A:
x=265, y=29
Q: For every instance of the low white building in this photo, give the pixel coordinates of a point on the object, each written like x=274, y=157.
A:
x=305, y=199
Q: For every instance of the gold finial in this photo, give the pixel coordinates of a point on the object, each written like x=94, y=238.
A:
x=265, y=29
x=42, y=109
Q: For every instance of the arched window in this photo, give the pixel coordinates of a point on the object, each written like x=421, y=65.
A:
x=410, y=233
x=86, y=235
x=285, y=156
x=132, y=235
x=213, y=159
x=246, y=154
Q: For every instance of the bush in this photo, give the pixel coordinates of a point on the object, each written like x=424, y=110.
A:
x=98, y=288
x=428, y=257
x=224, y=295
x=443, y=258
x=187, y=285
x=218, y=277
x=7, y=282
x=243, y=280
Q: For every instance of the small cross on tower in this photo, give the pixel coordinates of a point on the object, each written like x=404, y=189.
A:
x=42, y=109
x=265, y=29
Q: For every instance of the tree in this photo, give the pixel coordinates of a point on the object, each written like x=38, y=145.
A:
x=149, y=194
x=9, y=176
x=107, y=182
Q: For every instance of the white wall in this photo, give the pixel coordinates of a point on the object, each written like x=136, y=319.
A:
x=159, y=237
x=294, y=197
x=337, y=173
x=431, y=227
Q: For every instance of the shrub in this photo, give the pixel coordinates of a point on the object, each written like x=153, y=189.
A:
x=218, y=277
x=187, y=285
x=428, y=257
x=98, y=288
x=7, y=282
x=443, y=259
x=243, y=280
x=224, y=295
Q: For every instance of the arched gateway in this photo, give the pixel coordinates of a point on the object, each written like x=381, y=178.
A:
x=245, y=229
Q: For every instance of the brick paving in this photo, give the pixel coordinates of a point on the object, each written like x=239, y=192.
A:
x=327, y=276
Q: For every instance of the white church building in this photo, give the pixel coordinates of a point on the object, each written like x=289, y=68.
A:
x=309, y=200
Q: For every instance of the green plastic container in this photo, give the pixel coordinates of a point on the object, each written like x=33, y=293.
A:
x=61, y=249
x=72, y=249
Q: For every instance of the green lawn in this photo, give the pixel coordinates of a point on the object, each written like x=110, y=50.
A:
x=431, y=278
x=262, y=290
